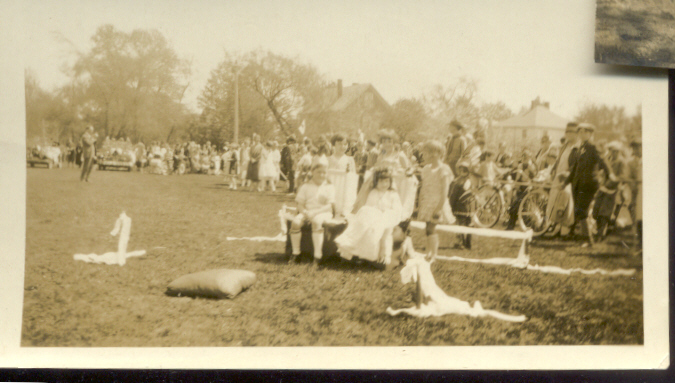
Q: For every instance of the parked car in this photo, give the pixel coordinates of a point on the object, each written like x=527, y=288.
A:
x=40, y=155
x=116, y=155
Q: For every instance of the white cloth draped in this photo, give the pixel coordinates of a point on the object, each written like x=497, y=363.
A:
x=435, y=301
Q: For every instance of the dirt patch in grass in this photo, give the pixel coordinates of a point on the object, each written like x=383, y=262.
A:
x=183, y=221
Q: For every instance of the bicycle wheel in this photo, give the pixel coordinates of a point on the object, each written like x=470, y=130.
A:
x=532, y=212
x=488, y=206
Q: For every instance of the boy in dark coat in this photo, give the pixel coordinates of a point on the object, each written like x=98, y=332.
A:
x=458, y=193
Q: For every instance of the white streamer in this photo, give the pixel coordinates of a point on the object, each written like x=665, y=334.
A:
x=281, y=237
x=522, y=263
x=122, y=227
x=558, y=270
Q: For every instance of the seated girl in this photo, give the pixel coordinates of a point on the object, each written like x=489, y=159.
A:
x=406, y=183
x=369, y=233
x=315, y=205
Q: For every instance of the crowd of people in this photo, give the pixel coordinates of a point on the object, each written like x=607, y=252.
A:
x=602, y=177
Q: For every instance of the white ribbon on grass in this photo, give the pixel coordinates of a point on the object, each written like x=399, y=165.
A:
x=523, y=259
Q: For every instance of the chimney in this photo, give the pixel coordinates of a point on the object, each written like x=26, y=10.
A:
x=547, y=105
x=339, y=88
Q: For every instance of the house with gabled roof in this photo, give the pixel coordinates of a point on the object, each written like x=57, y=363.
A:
x=346, y=109
x=527, y=129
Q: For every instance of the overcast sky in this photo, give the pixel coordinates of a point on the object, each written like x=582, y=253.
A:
x=516, y=50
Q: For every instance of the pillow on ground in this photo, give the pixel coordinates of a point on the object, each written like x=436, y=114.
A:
x=221, y=283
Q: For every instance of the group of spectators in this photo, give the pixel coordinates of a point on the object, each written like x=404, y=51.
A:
x=605, y=178
x=602, y=177
x=606, y=175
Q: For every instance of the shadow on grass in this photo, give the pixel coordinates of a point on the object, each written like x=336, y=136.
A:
x=337, y=263
x=551, y=244
x=330, y=263
x=272, y=258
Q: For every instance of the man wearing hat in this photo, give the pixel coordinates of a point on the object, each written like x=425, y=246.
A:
x=569, y=150
x=581, y=175
x=88, y=152
x=456, y=146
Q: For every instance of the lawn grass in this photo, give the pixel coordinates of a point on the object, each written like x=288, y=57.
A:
x=182, y=222
x=635, y=32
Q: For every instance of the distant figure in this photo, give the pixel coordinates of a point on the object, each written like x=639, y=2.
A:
x=254, y=161
x=88, y=151
x=289, y=158
x=456, y=146
x=459, y=203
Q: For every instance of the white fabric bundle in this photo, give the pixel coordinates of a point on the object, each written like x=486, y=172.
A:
x=122, y=227
x=436, y=302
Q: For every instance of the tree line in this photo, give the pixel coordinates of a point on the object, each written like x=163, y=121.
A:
x=133, y=84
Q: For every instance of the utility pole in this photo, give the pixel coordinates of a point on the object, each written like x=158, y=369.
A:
x=236, y=105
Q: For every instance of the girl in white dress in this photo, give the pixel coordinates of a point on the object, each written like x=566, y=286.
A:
x=267, y=168
x=339, y=160
x=434, y=207
x=276, y=160
x=369, y=233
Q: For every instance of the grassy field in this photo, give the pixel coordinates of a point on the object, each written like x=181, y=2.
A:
x=635, y=32
x=182, y=222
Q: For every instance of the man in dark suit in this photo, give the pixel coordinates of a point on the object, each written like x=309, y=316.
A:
x=581, y=175
x=289, y=159
x=456, y=146
x=88, y=152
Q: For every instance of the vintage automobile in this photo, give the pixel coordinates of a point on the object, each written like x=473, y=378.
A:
x=43, y=155
x=116, y=155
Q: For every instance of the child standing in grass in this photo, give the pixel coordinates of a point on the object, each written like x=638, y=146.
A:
x=433, y=203
x=605, y=199
x=316, y=200
x=460, y=203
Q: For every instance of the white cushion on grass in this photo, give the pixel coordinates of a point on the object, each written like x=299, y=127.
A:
x=220, y=283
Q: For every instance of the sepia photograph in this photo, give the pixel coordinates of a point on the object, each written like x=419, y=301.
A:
x=258, y=177
x=635, y=32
